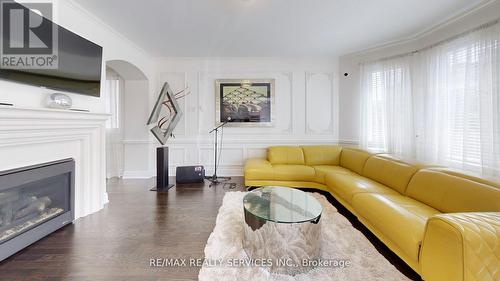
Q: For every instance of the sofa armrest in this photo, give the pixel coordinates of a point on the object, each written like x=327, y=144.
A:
x=258, y=169
x=257, y=162
x=462, y=247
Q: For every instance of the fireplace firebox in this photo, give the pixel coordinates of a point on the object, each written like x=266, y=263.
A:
x=34, y=202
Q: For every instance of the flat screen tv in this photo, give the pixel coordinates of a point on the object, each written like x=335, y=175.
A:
x=78, y=71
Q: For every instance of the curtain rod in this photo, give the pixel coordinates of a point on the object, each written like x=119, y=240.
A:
x=444, y=41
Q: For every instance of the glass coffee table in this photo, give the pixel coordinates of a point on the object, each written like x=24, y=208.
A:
x=282, y=228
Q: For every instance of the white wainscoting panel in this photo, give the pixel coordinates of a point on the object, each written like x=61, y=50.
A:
x=320, y=106
x=234, y=153
x=305, y=111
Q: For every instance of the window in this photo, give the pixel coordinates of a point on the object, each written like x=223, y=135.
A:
x=386, y=99
x=376, y=121
x=113, y=102
x=114, y=132
x=440, y=104
x=462, y=102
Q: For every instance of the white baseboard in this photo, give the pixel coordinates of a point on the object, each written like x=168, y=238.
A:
x=222, y=171
x=138, y=174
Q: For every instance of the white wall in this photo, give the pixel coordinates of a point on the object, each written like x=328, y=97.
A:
x=135, y=115
x=136, y=108
x=47, y=135
x=349, y=86
x=306, y=109
x=115, y=47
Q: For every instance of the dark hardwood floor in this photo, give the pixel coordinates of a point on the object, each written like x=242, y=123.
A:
x=137, y=225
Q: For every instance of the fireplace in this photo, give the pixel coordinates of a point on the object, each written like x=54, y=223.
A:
x=34, y=202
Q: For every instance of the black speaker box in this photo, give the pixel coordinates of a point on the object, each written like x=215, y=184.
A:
x=190, y=174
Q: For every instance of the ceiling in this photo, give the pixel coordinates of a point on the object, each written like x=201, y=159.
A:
x=264, y=28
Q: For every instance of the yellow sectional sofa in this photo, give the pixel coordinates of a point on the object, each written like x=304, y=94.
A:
x=444, y=224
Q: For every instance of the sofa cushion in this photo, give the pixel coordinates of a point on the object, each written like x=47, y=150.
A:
x=293, y=172
x=258, y=169
x=322, y=154
x=354, y=159
x=453, y=192
x=389, y=171
x=292, y=155
x=399, y=218
x=323, y=170
x=347, y=185
x=484, y=180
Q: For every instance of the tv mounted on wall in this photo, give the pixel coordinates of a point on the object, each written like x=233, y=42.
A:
x=79, y=64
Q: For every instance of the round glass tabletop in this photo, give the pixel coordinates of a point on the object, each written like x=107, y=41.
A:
x=282, y=204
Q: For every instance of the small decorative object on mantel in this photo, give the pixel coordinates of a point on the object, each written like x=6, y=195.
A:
x=245, y=103
x=58, y=101
x=165, y=116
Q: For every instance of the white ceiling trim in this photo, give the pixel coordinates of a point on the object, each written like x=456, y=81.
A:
x=89, y=14
x=426, y=31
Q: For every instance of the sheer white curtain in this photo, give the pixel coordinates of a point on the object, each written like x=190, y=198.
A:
x=459, y=96
x=386, y=107
x=441, y=104
x=114, y=129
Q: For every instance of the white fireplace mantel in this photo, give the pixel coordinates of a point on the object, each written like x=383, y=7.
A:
x=36, y=135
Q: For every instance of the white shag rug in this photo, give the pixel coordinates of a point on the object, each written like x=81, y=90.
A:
x=340, y=241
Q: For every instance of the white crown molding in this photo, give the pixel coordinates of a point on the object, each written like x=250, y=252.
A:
x=87, y=13
x=424, y=32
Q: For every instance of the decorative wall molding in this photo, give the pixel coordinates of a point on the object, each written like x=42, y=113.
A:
x=30, y=136
x=348, y=142
x=195, y=144
x=199, y=107
x=175, y=86
x=332, y=103
x=234, y=153
x=138, y=142
x=178, y=160
x=246, y=147
x=289, y=130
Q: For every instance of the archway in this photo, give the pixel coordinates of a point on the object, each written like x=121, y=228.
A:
x=126, y=97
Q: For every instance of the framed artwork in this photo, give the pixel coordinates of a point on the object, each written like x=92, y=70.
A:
x=245, y=103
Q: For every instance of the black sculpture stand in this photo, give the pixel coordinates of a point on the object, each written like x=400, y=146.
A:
x=162, y=183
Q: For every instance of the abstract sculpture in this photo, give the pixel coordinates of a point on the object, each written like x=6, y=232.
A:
x=166, y=124
x=165, y=115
